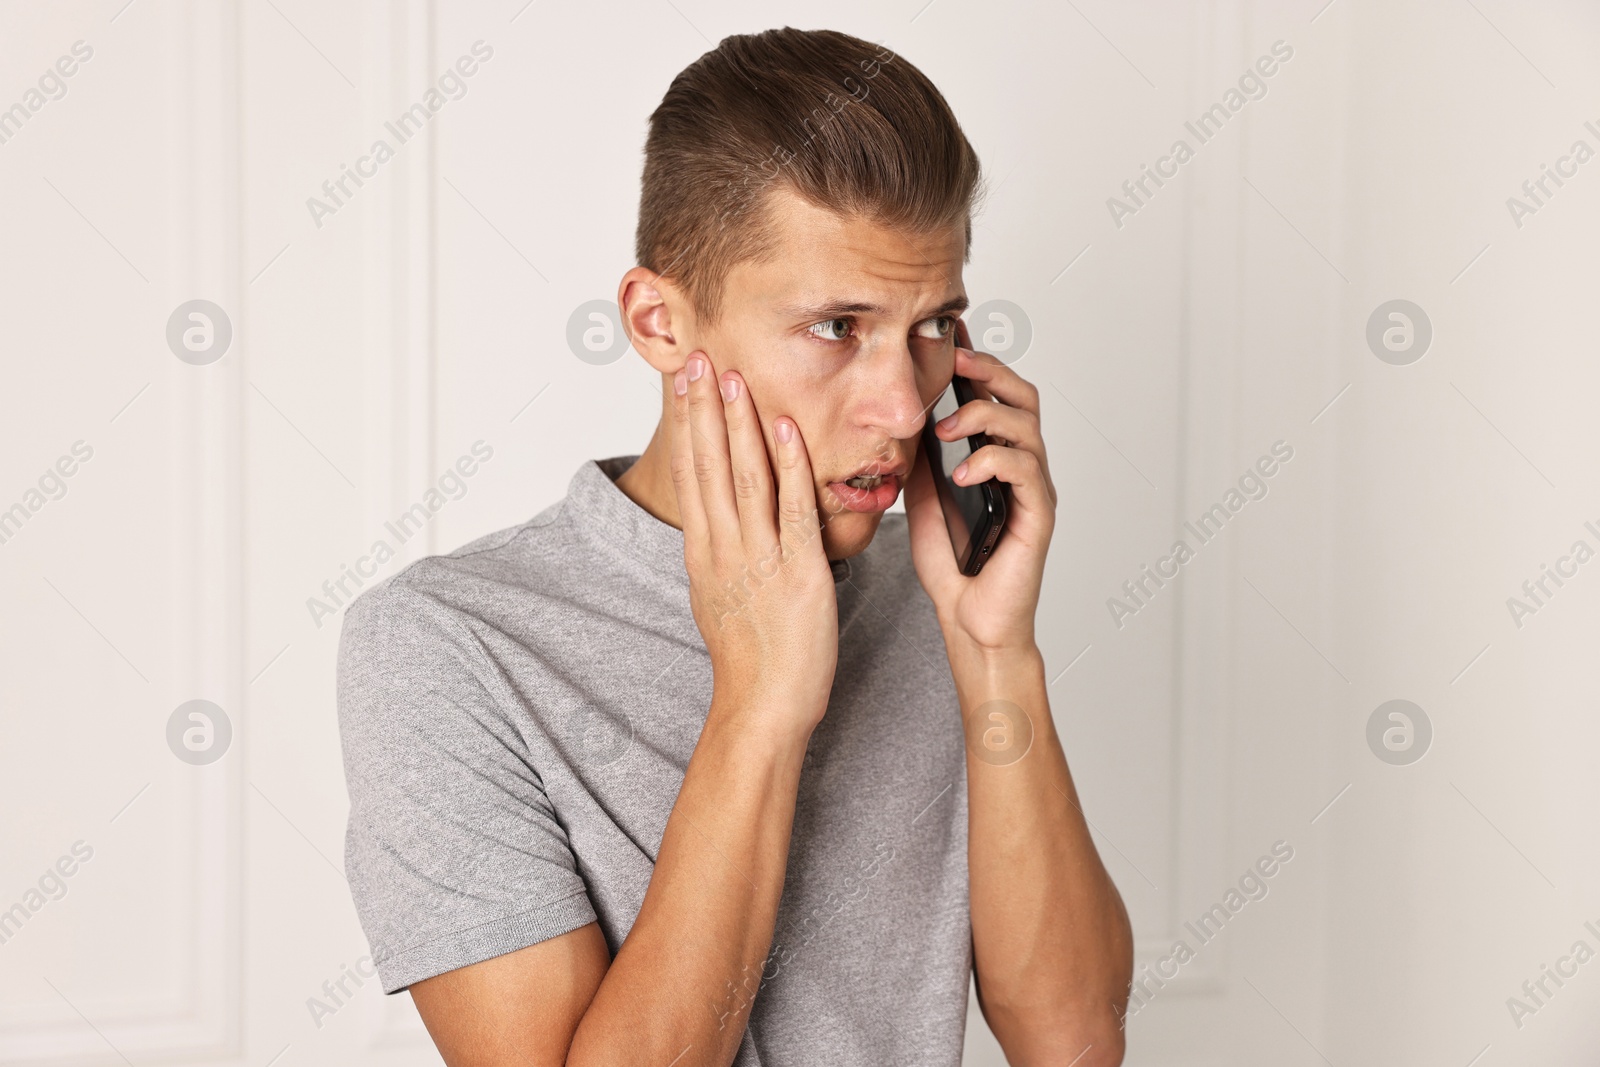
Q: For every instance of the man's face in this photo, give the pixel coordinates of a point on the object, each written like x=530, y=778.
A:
x=848, y=328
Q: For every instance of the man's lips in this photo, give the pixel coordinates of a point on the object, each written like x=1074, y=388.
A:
x=868, y=499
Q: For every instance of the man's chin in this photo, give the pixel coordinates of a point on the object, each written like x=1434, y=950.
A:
x=849, y=533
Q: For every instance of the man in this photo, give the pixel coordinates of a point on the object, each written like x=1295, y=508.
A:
x=712, y=762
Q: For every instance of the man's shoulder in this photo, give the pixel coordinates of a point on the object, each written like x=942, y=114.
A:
x=429, y=590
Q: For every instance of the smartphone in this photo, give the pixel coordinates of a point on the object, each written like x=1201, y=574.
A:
x=974, y=514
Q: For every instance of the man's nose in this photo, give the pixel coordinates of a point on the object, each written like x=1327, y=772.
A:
x=893, y=403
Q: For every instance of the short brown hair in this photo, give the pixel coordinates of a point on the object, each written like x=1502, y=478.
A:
x=848, y=125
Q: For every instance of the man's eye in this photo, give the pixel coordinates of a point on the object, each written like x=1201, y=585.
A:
x=826, y=330
x=936, y=329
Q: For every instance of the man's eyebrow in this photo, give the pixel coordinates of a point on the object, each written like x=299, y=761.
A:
x=838, y=309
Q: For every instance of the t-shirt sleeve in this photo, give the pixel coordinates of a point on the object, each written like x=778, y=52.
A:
x=453, y=851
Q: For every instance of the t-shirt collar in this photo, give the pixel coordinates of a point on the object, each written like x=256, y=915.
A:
x=608, y=514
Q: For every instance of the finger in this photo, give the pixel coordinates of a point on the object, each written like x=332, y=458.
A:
x=709, y=440
x=690, y=513
x=997, y=379
x=1001, y=423
x=1014, y=425
x=799, y=525
x=752, y=473
x=1018, y=468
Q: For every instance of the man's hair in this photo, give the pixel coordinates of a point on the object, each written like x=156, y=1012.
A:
x=846, y=124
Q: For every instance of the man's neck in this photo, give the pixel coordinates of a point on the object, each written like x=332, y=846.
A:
x=648, y=482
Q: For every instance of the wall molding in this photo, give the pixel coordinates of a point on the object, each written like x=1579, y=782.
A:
x=205, y=477
x=400, y=316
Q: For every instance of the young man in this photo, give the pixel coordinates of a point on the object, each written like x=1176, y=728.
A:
x=712, y=762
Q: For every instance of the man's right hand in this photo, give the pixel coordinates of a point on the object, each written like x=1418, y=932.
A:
x=683, y=983
x=759, y=583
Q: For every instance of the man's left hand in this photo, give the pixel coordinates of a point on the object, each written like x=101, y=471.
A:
x=992, y=612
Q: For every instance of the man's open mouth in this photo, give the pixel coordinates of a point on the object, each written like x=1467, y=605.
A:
x=872, y=489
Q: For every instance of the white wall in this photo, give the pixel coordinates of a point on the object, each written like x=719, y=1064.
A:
x=430, y=312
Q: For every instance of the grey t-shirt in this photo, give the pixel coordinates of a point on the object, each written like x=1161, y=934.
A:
x=517, y=717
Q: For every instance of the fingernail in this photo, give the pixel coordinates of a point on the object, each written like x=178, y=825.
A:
x=946, y=422
x=680, y=384
x=959, y=473
x=783, y=431
x=697, y=367
x=730, y=389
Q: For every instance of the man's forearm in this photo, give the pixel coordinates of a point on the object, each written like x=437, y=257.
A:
x=681, y=987
x=1051, y=941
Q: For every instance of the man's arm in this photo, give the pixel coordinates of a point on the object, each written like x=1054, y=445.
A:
x=684, y=979
x=520, y=1008
x=681, y=986
x=1051, y=942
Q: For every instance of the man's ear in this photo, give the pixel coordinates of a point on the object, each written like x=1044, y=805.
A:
x=657, y=317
